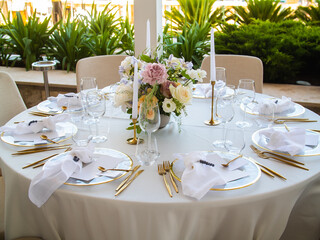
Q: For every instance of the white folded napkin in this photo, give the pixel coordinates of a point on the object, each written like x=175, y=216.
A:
x=205, y=89
x=197, y=178
x=35, y=126
x=267, y=106
x=56, y=173
x=68, y=99
x=292, y=142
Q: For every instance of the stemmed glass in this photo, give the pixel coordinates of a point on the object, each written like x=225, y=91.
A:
x=149, y=121
x=220, y=84
x=245, y=95
x=87, y=84
x=225, y=110
x=235, y=140
x=96, y=108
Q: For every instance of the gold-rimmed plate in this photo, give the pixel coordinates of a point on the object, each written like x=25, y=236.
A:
x=200, y=93
x=64, y=131
x=250, y=168
x=308, y=151
x=49, y=107
x=105, y=157
x=297, y=110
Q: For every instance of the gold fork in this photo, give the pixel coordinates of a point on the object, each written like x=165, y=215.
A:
x=166, y=166
x=162, y=172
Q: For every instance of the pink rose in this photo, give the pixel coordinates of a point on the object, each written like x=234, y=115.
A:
x=154, y=73
x=164, y=88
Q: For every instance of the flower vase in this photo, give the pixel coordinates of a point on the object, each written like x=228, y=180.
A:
x=164, y=120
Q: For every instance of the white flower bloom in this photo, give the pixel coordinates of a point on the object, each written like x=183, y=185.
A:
x=123, y=96
x=182, y=93
x=168, y=105
x=197, y=74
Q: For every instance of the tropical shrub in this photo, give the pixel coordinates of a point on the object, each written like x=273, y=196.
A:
x=288, y=49
x=263, y=10
x=68, y=44
x=126, y=35
x=28, y=39
x=309, y=14
x=5, y=48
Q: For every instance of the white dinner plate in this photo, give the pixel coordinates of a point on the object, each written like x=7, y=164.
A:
x=297, y=110
x=250, y=168
x=64, y=131
x=49, y=107
x=101, y=157
x=308, y=150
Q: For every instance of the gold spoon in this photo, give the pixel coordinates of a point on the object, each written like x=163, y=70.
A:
x=227, y=164
x=102, y=169
x=64, y=108
x=44, y=137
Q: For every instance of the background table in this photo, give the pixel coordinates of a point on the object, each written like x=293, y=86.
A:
x=267, y=209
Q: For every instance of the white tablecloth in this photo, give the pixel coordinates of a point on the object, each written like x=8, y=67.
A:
x=268, y=209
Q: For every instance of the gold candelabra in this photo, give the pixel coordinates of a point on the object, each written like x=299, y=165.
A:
x=212, y=122
x=134, y=140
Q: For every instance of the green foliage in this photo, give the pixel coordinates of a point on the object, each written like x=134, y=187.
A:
x=192, y=11
x=263, y=10
x=310, y=14
x=287, y=49
x=28, y=39
x=191, y=44
x=126, y=35
x=68, y=43
x=5, y=48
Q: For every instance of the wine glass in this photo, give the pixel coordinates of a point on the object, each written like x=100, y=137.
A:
x=81, y=135
x=245, y=96
x=225, y=110
x=219, y=85
x=235, y=140
x=149, y=121
x=96, y=108
x=87, y=84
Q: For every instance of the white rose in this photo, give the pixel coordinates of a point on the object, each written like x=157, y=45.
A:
x=168, y=105
x=126, y=64
x=181, y=93
x=124, y=94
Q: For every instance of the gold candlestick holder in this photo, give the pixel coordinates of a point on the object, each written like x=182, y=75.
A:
x=134, y=140
x=212, y=122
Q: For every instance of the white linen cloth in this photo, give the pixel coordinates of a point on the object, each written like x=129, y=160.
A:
x=267, y=106
x=56, y=173
x=68, y=99
x=292, y=142
x=205, y=89
x=35, y=126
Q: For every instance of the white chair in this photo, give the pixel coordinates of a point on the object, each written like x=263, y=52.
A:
x=11, y=101
x=237, y=67
x=104, y=68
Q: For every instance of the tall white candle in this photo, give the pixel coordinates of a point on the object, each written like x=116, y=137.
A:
x=135, y=92
x=212, y=58
x=148, y=38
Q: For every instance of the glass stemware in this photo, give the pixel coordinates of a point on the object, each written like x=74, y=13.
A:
x=96, y=108
x=82, y=135
x=149, y=121
x=245, y=95
x=225, y=111
x=235, y=140
x=220, y=84
x=87, y=84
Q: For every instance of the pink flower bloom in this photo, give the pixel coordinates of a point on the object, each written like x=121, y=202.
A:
x=154, y=73
x=164, y=88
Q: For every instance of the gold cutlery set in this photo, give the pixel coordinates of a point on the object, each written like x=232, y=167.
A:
x=278, y=157
x=126, y=182
x=162, y=170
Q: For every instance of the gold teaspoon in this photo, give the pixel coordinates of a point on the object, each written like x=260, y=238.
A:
x=44, y=137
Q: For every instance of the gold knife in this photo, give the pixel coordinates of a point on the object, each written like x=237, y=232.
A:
x=127, y=178
x=129, y=182
x=266, y=172
x=270, y=170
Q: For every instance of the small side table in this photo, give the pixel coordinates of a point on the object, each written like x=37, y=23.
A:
x=44, y=66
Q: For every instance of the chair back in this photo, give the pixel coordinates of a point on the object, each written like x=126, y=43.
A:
x=11, y=102
x=104, y=68
x=237, y=67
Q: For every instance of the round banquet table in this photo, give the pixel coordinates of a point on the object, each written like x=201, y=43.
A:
x=271, y=208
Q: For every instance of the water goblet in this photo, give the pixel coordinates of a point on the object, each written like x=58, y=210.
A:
x=235, y=140
x=149, y=121
x=82, y=135
x=245, y=96
x=96, y=107
x=87, y=84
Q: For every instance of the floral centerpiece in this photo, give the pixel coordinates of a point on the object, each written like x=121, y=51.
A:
x=169, y=82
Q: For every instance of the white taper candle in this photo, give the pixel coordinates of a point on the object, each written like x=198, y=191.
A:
x=212, y=58
x=148, y=38
x=135, y=92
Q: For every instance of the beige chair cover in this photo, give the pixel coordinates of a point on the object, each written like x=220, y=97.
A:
x=104, y=68
x=237, y=67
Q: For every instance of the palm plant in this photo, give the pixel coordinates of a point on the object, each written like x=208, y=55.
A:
x=126, y=35
x=310, y=14
x=28, y=40
x=68, y=43
x=192, y=11
x=263, y=10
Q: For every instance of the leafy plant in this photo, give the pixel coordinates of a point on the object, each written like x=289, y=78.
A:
x=68, y=43
x=5, y=49
x=263, y=10
x=310, y=14
x=28, y=40
x=126, y=35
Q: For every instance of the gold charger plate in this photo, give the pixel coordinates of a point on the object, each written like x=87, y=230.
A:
x=101, y=155
x=254, y=172
x=307, y=152
x=65, y=131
